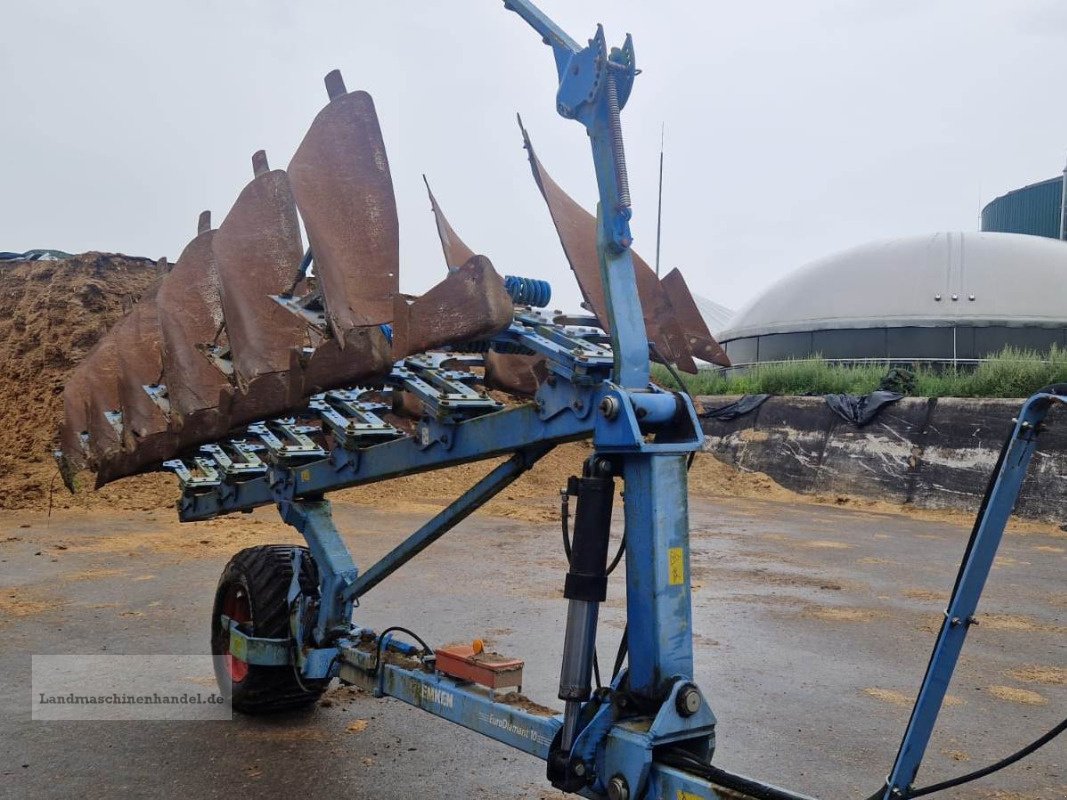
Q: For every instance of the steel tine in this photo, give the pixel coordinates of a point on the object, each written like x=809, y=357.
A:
x=456, y=252
x=343, y=189
x=278, y=361
x=257, y=249
x=190, y=316
x=701, y=343
x=512, y=373
x=576, y=228
x=470, y=303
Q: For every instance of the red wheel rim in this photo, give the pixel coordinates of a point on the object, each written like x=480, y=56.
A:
x=236, y=607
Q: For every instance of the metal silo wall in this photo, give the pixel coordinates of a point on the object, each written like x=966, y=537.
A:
x=1034, y=209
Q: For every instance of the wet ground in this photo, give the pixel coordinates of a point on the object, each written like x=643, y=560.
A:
x=813, y=627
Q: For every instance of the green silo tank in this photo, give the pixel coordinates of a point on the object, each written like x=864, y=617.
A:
x=1033, y=209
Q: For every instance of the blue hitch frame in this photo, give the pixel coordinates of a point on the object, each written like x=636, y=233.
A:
x=645, y=434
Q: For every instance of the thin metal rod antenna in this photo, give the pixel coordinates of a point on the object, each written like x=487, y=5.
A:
x=659, y=205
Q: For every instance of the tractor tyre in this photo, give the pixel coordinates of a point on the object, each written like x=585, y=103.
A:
x=253, y=591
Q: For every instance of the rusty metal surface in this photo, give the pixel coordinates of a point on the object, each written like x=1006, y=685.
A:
x=147, y=434
x=102, y=397
x=577, y=233
x=75, y=423
x=366, y=355
x=257, y=252
x=509, y=372
x=691, y=322
x=190, y=316
x=342, y=186
x=516, y=373
x=471, y=303
x=406, y=405
x=456, y=252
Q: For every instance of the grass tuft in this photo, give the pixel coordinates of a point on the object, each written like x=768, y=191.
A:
x=1010, y=373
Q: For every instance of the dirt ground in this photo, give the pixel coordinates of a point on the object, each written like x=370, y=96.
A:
x=813, y=624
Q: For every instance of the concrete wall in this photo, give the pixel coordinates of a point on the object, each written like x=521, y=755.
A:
x=935, y=453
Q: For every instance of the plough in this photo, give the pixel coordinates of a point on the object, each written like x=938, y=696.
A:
x=262, y=373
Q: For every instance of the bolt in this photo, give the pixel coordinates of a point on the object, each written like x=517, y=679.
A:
x=609, y=407
x=688, y=700
x=578, y=768
x=618, y=789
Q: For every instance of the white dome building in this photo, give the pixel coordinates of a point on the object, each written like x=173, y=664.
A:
x=942, y=297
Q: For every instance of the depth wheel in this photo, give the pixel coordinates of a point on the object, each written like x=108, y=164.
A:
x=253, y=591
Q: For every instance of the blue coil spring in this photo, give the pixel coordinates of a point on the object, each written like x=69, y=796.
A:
x=528, y=291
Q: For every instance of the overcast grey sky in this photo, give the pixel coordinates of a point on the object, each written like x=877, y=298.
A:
x=794, y=129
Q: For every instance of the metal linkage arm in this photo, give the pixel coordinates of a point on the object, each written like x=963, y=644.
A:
x=988, y=531
x=594, y=85
x=474, y=498
x=562, y=45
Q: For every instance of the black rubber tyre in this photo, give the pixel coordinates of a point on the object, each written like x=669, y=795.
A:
x=253, y=590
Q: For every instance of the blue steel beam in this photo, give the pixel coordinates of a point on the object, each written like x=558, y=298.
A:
x=466, y=705
x=528, y=731
x=488, y=436
x=658, y=603
x=551, y=34
x=337, y=569
x=471, y=500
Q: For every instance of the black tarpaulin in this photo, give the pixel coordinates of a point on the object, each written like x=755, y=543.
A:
x=861, y=409
x=747, y=404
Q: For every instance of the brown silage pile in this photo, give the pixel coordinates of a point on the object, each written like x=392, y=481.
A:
x=51, y=314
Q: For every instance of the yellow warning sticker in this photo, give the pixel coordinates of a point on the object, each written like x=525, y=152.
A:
x=684, y=795
x=675, y=566
x=305, y=475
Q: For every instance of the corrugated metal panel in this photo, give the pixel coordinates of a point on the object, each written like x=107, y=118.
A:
x=1033, y=209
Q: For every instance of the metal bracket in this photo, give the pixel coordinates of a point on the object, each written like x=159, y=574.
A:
x=311, y=308
x=254, y=649
x=287, y=441
x=158, y=393
x=353, y=421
